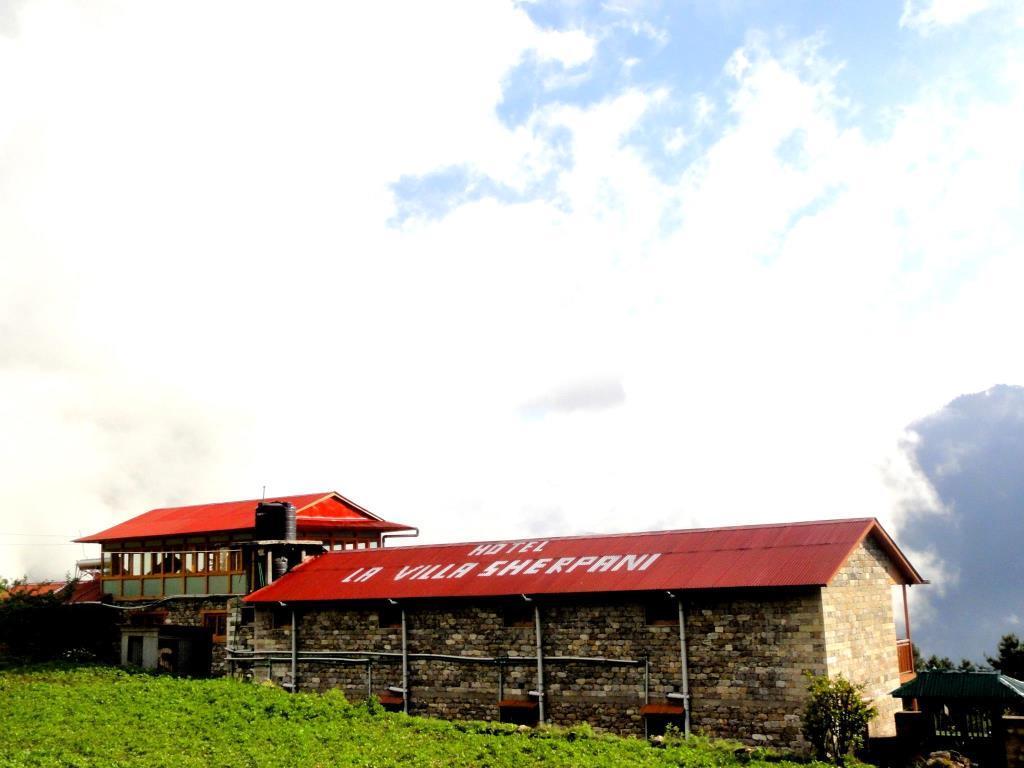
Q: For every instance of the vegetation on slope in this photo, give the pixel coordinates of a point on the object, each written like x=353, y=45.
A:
x=110, y=718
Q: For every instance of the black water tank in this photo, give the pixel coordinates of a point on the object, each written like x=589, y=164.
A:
x=275, y=521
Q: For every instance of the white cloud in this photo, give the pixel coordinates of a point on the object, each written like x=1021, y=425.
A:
x=207, y=296
x=928, y=15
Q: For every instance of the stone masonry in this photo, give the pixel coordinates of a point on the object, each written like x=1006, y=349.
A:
x=188, y=612
x=748, y=652
x=860, y=634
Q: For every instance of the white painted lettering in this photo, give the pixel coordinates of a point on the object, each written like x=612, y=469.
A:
x=351, y=575
x=538, y=565
x=462, y=570
x=580, y=562
x=491, y=569
x=560, y=563
x=514, y=567
x=527, y=546
x=370, y=573
x=539, y=546
x=650, y=559
x=425, y=573
x=479, y=549
x=630, y=561
x=603, y=564
x=408, y=570
x=494, y=549
x=441, y=574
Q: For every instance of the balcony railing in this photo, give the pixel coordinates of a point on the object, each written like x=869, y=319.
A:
x=905, y=659
x=145, y=575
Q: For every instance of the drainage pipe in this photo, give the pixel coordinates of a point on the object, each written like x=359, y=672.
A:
x=414, y=533
x=540, y=666
x=295, y=654
x=405, y=663
x=647, y=691
x=685, y=669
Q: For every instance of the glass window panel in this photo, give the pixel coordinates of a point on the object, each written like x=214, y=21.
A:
x=172, y=563
x=219, y=585
x=113, y=586
x=174, y=586
x=195, y=585
x=153, y=587
x=238, y=586
x=131, y=588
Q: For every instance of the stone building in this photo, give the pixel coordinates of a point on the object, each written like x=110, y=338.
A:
x=712, y=630
x=172, y=572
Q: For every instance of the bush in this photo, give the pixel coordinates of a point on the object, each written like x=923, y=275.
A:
x=836, y=717
x=44, y=627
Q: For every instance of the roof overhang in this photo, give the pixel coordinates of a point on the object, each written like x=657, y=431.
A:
x=328, y=512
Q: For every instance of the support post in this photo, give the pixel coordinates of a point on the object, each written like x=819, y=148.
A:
x=540, y=665
x=906, y=614
x=405, y=663
x=685, y=669
x=647, y=680
x=295, y=653
x=501, y=681
x=647, y=690
x=369, y=679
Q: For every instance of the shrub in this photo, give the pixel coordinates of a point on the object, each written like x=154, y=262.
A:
x=836, y=717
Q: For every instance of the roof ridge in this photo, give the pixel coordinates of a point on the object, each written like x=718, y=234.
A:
x=320, y=495
x=662, y=532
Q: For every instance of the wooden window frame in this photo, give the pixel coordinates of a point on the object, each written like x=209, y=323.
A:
x=217, y=616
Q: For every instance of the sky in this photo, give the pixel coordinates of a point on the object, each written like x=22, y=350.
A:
x=972, y=451
x=501, y=269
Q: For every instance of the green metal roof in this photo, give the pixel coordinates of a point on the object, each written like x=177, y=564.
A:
x=961, y=685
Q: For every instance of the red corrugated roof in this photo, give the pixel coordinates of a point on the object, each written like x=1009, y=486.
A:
x=86, y=590
x=36, y=589
x=796, y=554
x=89, y=591
x=328, y=511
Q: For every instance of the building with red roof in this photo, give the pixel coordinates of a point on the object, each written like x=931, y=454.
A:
x=173, y=570
x=712, y=629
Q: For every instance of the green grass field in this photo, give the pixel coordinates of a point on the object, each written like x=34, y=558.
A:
x=104, y=717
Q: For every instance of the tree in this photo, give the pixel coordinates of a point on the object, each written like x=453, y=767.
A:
x=1010, y=658
x=836, y=717
x=944, y=664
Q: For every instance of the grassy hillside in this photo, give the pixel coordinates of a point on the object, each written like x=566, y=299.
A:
x=106, y=718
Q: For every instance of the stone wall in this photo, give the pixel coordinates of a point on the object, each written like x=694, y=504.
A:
x=188, y=612
x=860, y=634
x=747, y=654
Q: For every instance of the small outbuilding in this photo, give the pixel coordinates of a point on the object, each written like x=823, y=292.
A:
x=975, y=713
